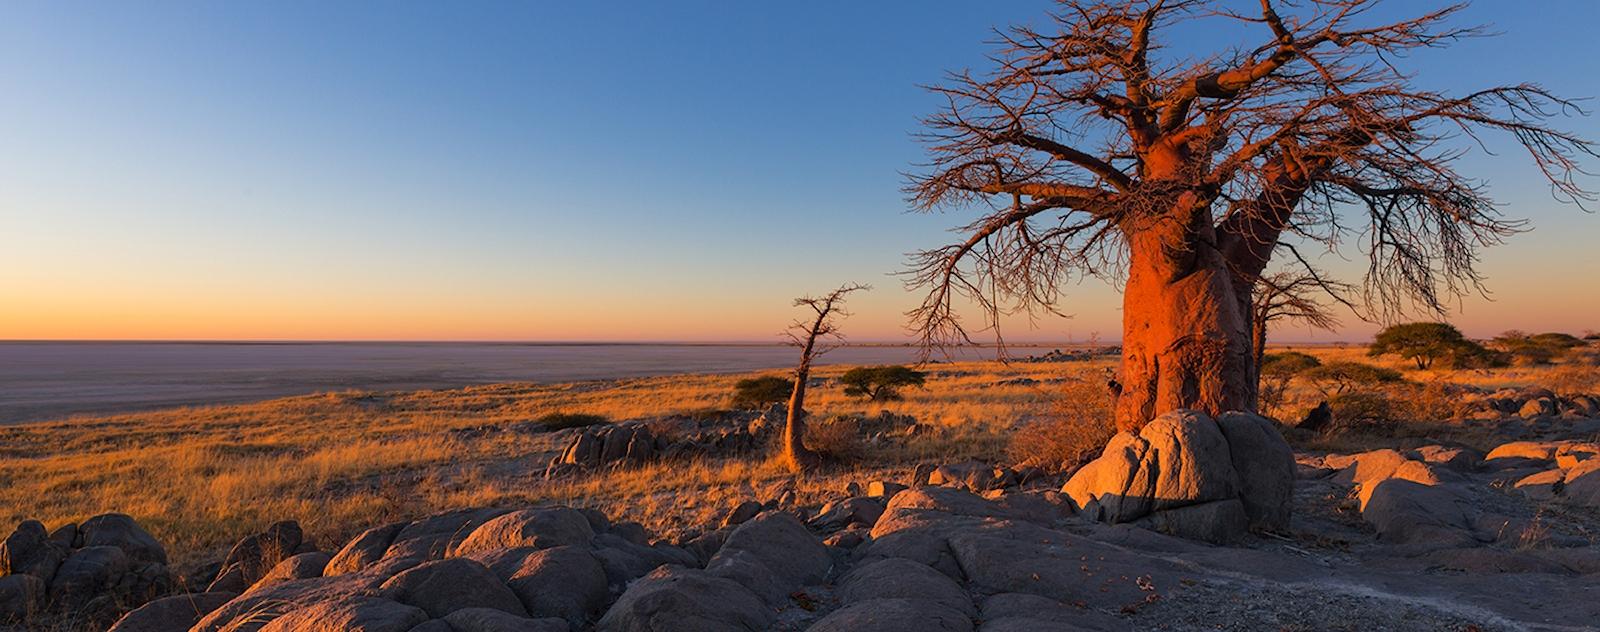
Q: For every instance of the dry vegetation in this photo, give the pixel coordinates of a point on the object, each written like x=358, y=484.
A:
x=200, y=478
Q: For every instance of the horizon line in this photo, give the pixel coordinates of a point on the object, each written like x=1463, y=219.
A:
x=577, y=343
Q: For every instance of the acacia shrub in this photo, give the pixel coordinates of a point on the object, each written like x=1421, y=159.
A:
x=1433, y=401
x=1426, y=343
x=880, y=383
x=1535, y=349
x=1343, y=376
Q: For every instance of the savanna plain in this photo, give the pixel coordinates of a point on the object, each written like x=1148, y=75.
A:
x=1495, y=505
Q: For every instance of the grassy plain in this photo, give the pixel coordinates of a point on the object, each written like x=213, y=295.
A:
x=200, y=478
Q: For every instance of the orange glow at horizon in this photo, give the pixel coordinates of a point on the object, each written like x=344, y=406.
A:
x=130, y=312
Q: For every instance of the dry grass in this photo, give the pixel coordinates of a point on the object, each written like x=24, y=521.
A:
x=1077, y=428
x=200, y=478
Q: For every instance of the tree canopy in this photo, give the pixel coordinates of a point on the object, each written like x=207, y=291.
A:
x=880, y=383
x=1425, y=343
x=1088, y=130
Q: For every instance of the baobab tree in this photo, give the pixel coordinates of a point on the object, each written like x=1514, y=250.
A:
x=815, y=335
x=1292, y=295
x=1094, y=150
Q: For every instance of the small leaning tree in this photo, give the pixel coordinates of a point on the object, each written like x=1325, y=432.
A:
x=1293, y=295
x=814, y=335
x=1178, y=173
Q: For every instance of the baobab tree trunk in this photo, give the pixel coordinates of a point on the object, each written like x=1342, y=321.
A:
x=1258, y=343
x=1186, y=340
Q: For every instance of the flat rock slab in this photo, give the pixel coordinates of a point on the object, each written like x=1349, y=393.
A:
x=178, y=612
x=904, y=579
x=674, y=599
x=895, y=615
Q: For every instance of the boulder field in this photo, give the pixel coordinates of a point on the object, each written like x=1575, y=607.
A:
x=1189, y=524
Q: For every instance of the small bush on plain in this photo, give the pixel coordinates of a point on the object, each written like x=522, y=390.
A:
x=880, y=383
x=1363, y=411
x=837, y=437
x=562, y=421
x=1343, y=376
x=760, y=392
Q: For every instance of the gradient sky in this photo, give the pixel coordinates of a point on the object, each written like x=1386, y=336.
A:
x=561, y=171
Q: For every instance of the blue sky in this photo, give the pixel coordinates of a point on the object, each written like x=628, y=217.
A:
x=558, y=170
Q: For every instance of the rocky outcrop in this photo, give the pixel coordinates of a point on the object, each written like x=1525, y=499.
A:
x=301, y=566
x=640, y=441
x=1370, y=467
x=900, y=578
x=1567, y=472
x=543, y=568
x=1185, y=474
x=22, y=598
x=92, y=572
x=935, y=558
x=565, y=582
x=1531, y=403
x=1265, y=467
x=538, y=528
x=606, y=445
x=29, y=551
x=755, y=571
x=974, y=476
x=441, y=587
x=895, y=615
x=1580, y=485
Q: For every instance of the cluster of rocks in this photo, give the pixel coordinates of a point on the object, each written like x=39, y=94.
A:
x=479, y=570
x=605, y=445
x=1562, y=471
x=942, y=558
x=974, y=476
x=959, y=547
x=638, y=441
x=1533, y=402
x=1450, y=506
x=90, y=572
x=1189, y=475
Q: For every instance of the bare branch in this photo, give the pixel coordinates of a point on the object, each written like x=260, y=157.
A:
x=1087, y=134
